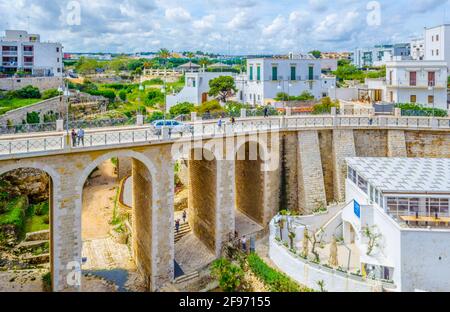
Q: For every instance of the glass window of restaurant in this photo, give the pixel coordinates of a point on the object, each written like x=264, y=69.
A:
x=403, y=206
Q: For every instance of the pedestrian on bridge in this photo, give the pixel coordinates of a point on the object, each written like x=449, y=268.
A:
x=74, y=137
x=219, y=124
x=80, y=136
x=184, y=216
x=266, y=112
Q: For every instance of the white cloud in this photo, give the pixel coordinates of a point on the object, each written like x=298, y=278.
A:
x=178, y=14
x=242, y=20
x=206, y=23
x=275, y=27
x=336, y=27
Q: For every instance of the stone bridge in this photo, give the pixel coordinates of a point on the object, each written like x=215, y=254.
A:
x=257, y=166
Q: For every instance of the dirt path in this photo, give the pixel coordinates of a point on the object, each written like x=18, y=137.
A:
x=98, y=202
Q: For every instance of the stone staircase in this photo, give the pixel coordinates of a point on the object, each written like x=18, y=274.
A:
x=183, y=231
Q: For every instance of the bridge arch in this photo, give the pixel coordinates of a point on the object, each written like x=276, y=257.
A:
x=54, y=213
x=145, y=197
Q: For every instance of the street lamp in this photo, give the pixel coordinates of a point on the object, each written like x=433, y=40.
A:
x=431, y=89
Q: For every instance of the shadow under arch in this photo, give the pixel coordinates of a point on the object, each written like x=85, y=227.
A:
x=54, y=213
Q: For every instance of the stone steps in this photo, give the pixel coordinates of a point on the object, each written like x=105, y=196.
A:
x=32, y=244
x=37, y=236
x=40, y=259
x=183, y=231
x=186, y=277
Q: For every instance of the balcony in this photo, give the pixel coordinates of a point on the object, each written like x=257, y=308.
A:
x=9, y=64
x=9, y=53
x=28, y=53
x=28, y=64
x=418, y=84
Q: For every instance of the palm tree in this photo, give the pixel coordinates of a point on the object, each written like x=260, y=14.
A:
x=190, y=55
x=164, y=54
x=204, y=61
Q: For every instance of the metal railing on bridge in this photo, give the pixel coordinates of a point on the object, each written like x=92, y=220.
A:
x=13, y=145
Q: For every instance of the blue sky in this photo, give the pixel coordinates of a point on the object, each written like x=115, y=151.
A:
x=239, y=26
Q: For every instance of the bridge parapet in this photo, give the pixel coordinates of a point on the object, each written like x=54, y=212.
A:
x=27, y=145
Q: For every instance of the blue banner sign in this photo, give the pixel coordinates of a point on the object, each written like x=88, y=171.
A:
x=357, y=209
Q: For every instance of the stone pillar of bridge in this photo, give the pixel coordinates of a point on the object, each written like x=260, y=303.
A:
x=272, y=172
x=396, y=143
x=124, y=165
x=343, y=147
x=203, y=197
x=289, y=183
x=311, y=186
x=160, y=210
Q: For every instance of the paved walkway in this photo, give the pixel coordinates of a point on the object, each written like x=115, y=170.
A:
x=191, y=254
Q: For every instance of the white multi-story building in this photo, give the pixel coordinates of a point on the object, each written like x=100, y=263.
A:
x=266, y=77
x=377, y=55
x=404, y=203
x=20, y=51
x=418, y=49
x=196, y=88
x=437, y=43
x=408, y=81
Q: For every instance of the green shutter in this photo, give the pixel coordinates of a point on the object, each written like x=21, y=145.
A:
x=293, y=73
x=258, y=73
x=274, y=73
x=311, y=73
x=251, y=72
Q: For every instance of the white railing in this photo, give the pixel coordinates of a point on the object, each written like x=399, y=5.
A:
x=57, y=141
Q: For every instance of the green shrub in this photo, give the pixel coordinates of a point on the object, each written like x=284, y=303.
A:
x=154, y=96
x=41, y=209
x=107, y=93
x=210, y=106
x=276, y=281
x=123, y=95
x=229, y=275
x=47, y=282
x=28, y=92
x=157, y=115
x=182, y=109
x=154, y=81
x=50, y=93
x=325, y=106
x=33, y=118
x=414, y=109
x=15, y=213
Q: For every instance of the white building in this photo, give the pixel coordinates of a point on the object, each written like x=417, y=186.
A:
x=422, y=82
x=404, y=202
x=377, y=55
x=437, y=43
x=21, y=51
x=266, y=77
x=196, y=88
x=418, y=49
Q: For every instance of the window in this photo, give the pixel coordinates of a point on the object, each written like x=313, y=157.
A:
x=251, y=73
x=59, y=70
x=293, y=73
x=57, y=60
x=362, y=184
x=311, y=73
x=413, y=99
x=437, y=37
x=437, y=52
x=431, y=79
x=274, y=73
x=412, y=78
x=57, y=50
x=430, y=99
x=352, y=175
x=432, y=52
x=258, y=73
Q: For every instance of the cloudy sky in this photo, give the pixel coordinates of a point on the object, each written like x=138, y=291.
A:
x=238, y=26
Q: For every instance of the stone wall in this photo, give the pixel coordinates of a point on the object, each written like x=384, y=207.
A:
x=326, y=153
x=371, y=143
x=428, y=144
x=124, y=167
x=310, y=175
x=396, y=143
x=202, y=199
x=43, y=83
x=17, y=115
x=343, y=147
x=142, y=220
x=289, y=163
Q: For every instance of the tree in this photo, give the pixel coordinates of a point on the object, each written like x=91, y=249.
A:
x=164, y=54
x=204, y=61
x=182, y=109
x=190, y=55
x=316, y=53
x=28, y=92
x=222, y=88
x=373, y=238
x=229, y=275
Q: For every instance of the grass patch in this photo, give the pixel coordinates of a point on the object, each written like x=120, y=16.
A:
x=275, y=280
x=9, y=104
x=37, y=218
x=15, y=213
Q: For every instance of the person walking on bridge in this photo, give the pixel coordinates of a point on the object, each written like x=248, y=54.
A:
x=80, y=136
x=184, y=216
x=177, y=225
x=74, y=137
